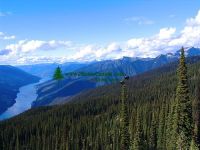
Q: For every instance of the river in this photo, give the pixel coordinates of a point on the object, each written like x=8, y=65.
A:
x=26, y=95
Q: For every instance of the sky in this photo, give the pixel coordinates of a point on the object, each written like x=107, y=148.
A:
x=46, y=31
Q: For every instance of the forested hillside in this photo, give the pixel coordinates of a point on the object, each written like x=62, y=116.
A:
x=92, y=120
x=49, y=93
x=11, y=79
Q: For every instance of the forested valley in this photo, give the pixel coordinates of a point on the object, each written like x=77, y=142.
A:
x=156, y=110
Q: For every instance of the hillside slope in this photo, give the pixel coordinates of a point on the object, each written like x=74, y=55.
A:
x=91, y=120
x=127, y=65
x=11, y=80
x=58, y=94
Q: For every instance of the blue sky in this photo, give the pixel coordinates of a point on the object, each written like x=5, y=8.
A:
x=38, y=31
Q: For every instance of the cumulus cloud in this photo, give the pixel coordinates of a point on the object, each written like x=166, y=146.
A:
x=26, y=46
x=164, y=41
x=37, y=59
x=6, y=37
x=167, y=40
x=94, y=52
x=166, y=33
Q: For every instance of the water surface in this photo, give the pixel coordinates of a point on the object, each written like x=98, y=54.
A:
x=27, y=94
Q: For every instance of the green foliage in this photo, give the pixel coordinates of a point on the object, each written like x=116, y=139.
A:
x=196, y=104
x=153, y=134
x=58, y=74
x=125, y=137
x=183, y=121
x=137, y=144
x=161, y=128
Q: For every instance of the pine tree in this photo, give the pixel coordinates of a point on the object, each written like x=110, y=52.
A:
x=17, y=142
x=153, y=134
x=171, y=129
x=161, y=128
x=58, y=75
x=197, y=117
x=137, y=144
x=183, y=114
x=125, y=137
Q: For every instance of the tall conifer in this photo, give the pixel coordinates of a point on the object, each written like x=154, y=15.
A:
x=196, y=140
x=125, y=137
x=183, y=114
x=137, y=144
x=58, y=75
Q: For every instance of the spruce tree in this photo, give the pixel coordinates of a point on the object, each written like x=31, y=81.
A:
x=58, y=75
x=125, y=137
x=183, y=122
x=153, y=134
x=171, y=129
x=137, y=144
x=196, y=135
x=161, y=128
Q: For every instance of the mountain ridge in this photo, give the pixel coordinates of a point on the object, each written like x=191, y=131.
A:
x=127, y=65
x=11, y=80
x=95, y=116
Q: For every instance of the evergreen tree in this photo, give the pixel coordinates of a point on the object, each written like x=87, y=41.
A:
x=161, y=128
x=183, y=114
x=58, y=75
x=153, y=134
x=125, y=137
x=171, y=130
x=137, y=144
x=197, y=117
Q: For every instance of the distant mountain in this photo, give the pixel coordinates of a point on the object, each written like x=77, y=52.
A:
x=126, y=65
x=190, y=52
x=11, y=79
x=47, y=70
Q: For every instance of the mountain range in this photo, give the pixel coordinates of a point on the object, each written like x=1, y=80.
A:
x=91, y=120
x=49, y=93
x=47, y=70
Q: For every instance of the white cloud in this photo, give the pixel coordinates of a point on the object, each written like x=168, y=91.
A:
x=36, y=60
x=165, y=40
x=26, y=46
x=152, y=46
x=6, y=37
x=166, y=33
x=94, y=52
x=139, y=20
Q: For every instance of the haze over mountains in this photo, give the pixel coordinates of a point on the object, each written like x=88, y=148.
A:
x=47, y=70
